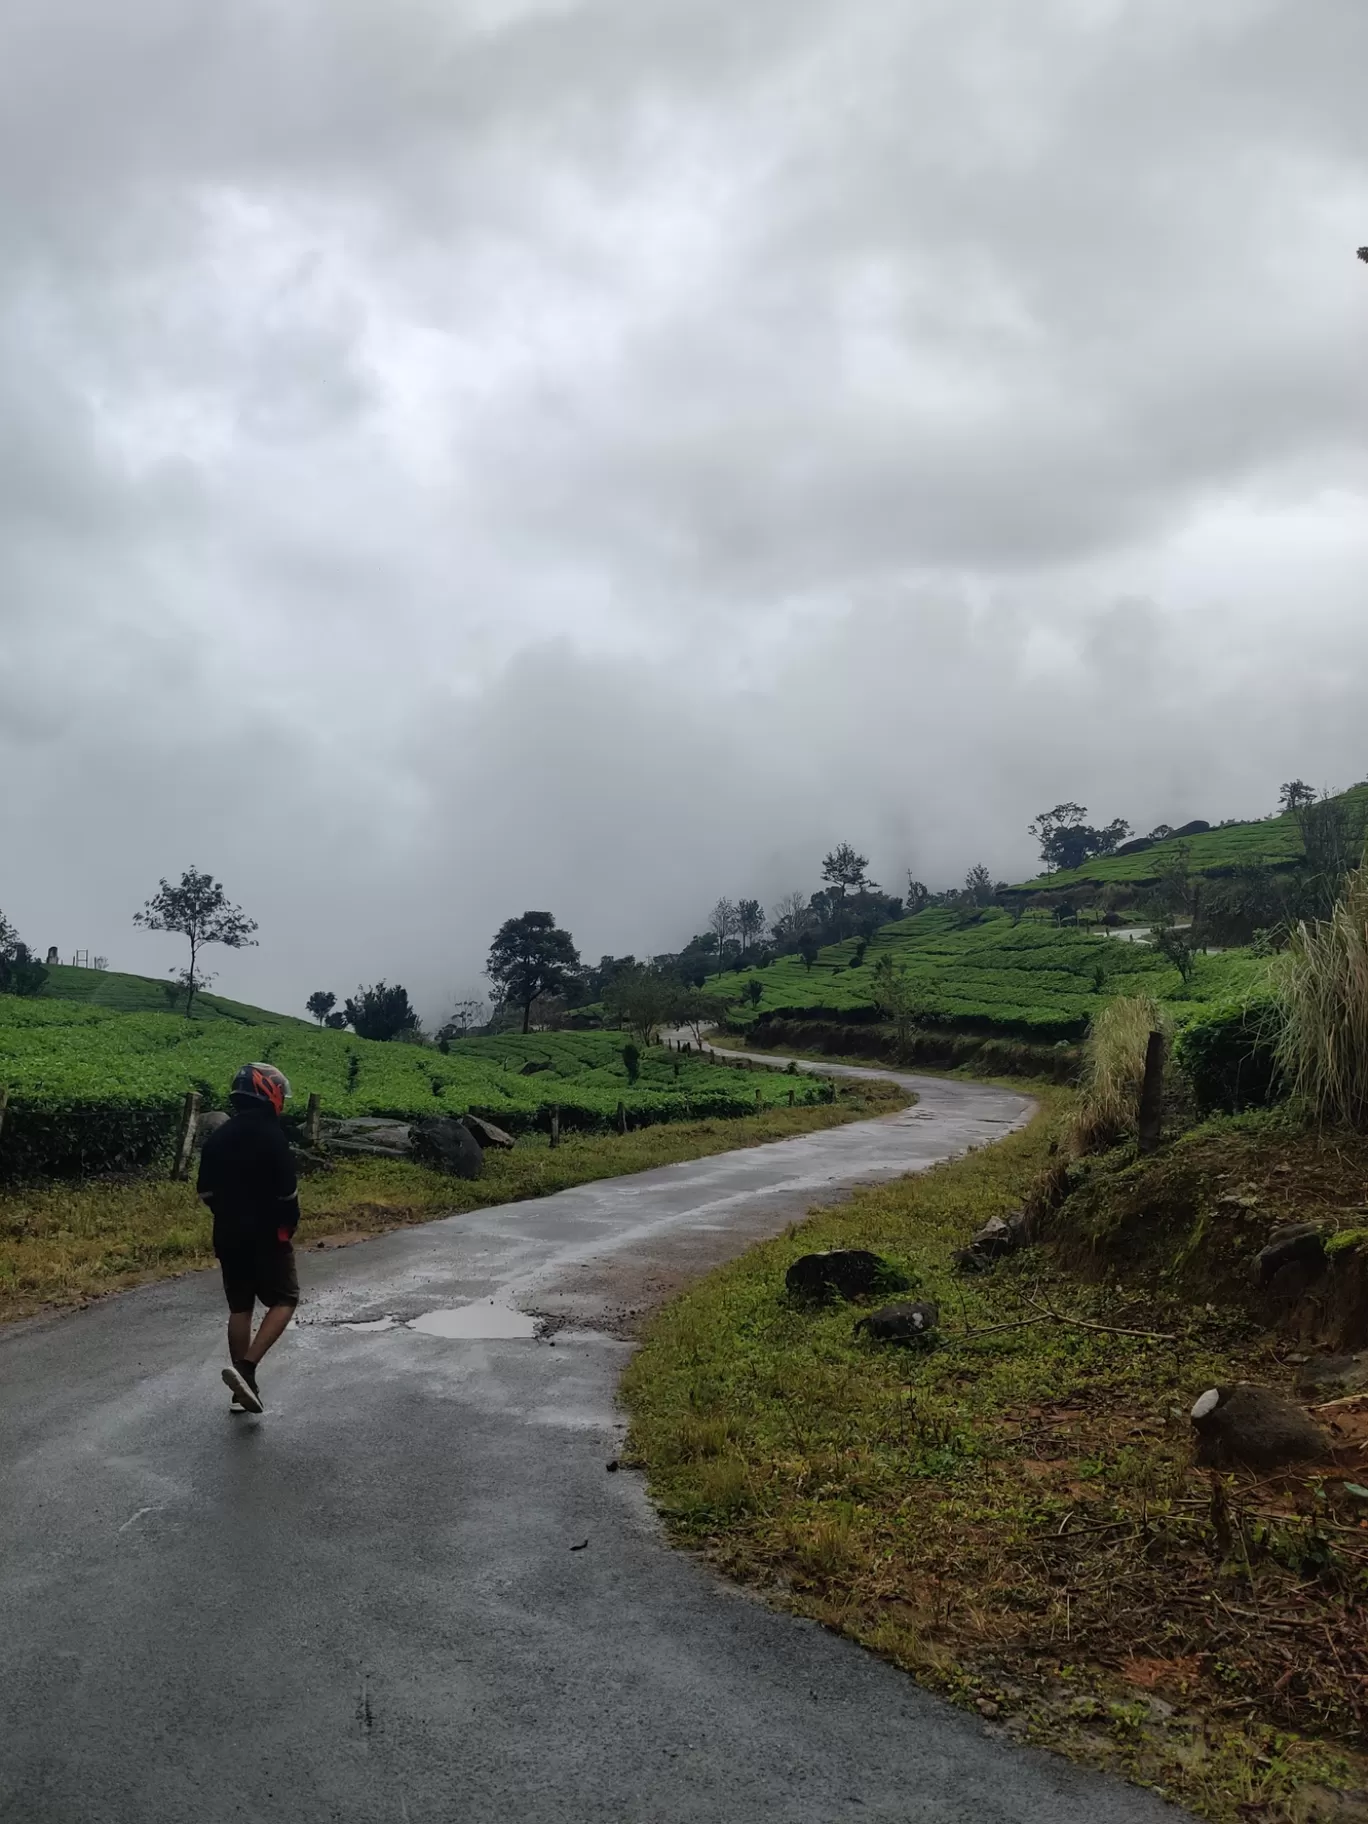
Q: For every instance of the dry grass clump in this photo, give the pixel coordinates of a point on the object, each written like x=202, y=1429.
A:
x=1113, y=1072
x=1322, y=985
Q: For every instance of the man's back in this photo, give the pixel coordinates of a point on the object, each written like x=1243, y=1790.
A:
x=247, y=1178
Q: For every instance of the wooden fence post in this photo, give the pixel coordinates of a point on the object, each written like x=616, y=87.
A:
x=313, y=1118
x=185, y=1145
x=759, y=1102
x=621, y=1119
x=4, y=1104
x=555, y=1127
x=1152, y=1095
x=790, y=1098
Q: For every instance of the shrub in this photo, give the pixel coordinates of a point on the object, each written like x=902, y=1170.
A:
x=1322, y=986
x=1229, y=1055
x=1113, y=1072
x=631, y=1057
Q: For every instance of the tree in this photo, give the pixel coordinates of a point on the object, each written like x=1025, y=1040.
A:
x=808, y=948
x=1066, y=841
x=198, y=909
x=722, y=921
x=894, y=996
x=320, y=1004
x=918, y=895
x=790, y=915
x=1295, y=796
x=644, y=999
x=631, y=1058
x=336, y=1022
x=755, y=989
x=750, y=921
x=978, y=886
x=845, y=870
x=381, y=1012
x=20, y=973
x=1174, y=944
x=530, y=956
x=465, y=1017
x=696, y=1010
x=1332, y=833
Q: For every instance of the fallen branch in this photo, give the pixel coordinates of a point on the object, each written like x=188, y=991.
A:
x=1083, y=1323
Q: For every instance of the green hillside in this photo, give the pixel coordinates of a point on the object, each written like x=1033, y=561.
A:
x=985, y=973
x=1267, y=842
x=92, y=1087
x=142, y=994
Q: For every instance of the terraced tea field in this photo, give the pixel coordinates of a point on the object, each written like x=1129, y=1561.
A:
x=1030, y=980
x=91, y=1087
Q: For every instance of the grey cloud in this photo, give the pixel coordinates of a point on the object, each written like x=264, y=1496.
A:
x=596, y=455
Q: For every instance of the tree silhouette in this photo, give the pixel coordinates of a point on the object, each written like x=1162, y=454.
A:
x=530, y=956
x=199, y=910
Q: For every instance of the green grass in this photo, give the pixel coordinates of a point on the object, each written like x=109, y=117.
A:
x=120, y=993
x=62, y=1243
x=1013, y=1518
x=57, y=1054
x=1266, y=842
x=1030, y=980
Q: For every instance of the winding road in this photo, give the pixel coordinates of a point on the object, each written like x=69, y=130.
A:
x=411, y=1592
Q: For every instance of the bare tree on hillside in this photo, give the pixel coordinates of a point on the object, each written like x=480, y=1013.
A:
x=722, y=921
x=750, y=922
x=790, y=915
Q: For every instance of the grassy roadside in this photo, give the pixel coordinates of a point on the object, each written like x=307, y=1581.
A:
x=1014, y=1518
x=61, y=1244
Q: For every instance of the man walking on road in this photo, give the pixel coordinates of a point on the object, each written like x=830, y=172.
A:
x=247, y=1178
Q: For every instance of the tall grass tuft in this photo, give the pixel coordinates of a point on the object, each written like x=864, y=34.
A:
x=1322, y=986
x=1108, y=1105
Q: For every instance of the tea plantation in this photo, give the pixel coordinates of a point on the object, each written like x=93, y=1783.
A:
x=983, y=973
x=1273, y=842
x=89, y=1087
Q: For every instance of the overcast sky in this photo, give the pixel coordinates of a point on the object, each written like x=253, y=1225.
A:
x=464, y=455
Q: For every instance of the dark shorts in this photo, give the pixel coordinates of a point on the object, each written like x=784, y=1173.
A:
x=265, y=1271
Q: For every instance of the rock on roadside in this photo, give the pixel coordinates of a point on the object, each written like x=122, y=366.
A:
x=487, y=1134
x=1254, y=1428
x=842, y=1273
x=901, y=1323
x=449, y=1145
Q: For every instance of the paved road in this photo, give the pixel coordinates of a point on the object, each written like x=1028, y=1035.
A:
x=369, y=1606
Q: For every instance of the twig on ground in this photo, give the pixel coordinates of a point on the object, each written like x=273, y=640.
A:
x=1083, y=1323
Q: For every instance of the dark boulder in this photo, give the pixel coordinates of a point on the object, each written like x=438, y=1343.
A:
x=1255, y=1428
x=999, y=1236
x=534, y=1065
x=1330, y=1376
x=1300, y=1244
x=486, y=1133
x=448, y=1145
x=381, y=1135
x=842, y=1273
x=209, y=1123
x=901, y=1323
x=307, y=1164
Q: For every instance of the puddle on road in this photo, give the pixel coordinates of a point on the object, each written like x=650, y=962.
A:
x=374, y=1323
x=482, y=1320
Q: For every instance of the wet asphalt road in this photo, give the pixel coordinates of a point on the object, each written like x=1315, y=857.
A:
x=368, y=1605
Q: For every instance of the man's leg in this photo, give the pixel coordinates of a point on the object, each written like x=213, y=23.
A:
x=269, y=1332
x=239, y=1334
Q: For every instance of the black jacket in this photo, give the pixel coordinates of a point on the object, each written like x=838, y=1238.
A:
x=247, y=1178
